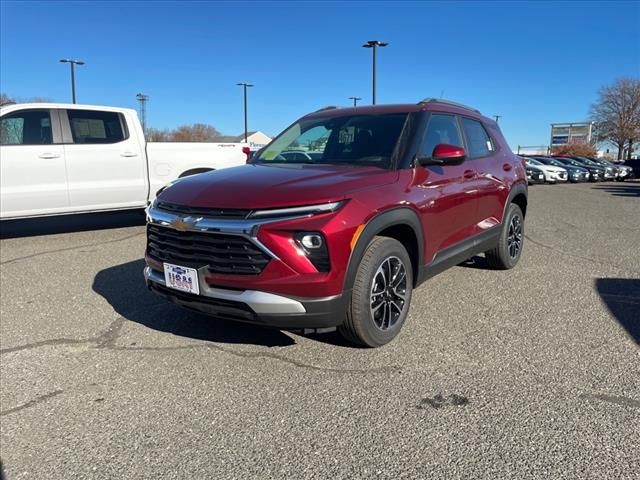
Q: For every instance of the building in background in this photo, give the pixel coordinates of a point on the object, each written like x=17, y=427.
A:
x=256, y=140
x=572, y=133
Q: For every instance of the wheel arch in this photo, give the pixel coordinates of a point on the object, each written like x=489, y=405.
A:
x=402, y=224
x=519, y=196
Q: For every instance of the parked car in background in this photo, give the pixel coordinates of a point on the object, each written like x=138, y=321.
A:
x=622, y=172
x=552, y=173
x=534, y=175
x=575, y=174
x=68, y=158
x=399, y=194
x=596, y=173
x=610, y=171
x=634, y=165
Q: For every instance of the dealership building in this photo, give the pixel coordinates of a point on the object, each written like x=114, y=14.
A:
x=571, y=133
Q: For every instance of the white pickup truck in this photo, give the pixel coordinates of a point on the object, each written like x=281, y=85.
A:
x=64, y=158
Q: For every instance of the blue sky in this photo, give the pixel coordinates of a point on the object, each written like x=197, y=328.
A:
x=534, y=63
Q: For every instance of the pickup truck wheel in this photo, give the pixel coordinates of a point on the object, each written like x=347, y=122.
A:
x=507, y=253
x=381, y=294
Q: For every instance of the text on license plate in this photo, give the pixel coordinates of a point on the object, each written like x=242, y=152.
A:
x=181, y=278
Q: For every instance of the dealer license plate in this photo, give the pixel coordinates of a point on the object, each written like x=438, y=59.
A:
x=180, y=278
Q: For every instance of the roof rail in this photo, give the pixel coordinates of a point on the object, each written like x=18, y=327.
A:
x=330, y=107
x=448, y=102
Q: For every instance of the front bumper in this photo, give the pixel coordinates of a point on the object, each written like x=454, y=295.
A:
x=252, y=306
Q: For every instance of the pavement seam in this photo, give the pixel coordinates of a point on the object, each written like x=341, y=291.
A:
x=32, y=403
x=37, y=254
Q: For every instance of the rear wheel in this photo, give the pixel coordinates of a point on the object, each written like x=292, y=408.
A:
x=509, y=248
x=381, y=294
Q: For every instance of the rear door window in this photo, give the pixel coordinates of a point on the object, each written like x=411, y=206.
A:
x=480, y=143
x=90, y=127
x=26, y=127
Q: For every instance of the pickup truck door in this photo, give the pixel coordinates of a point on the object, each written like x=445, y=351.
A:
x=106, y=164
x=33, y=177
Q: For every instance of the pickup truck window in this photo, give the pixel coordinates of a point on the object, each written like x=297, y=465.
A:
x=90, y=126
x=26, y=127
x=351, y=139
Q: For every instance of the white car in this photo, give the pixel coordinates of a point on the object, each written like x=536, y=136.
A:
x=552, y=173
x=65, y=158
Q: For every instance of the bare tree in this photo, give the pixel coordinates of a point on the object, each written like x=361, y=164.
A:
x=198, y=132
x=6, y=99
x=155, y=135
x=617, y=114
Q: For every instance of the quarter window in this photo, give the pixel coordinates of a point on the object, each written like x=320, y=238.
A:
x=480, y=144
x=88, y=126
x=441, y=129
x=27, y=127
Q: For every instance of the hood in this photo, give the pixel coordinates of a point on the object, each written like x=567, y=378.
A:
x=262, y=186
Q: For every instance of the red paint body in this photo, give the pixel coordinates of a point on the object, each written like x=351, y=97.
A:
x=453, y=203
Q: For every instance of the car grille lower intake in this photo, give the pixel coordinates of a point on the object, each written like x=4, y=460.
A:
x=228, y=254
x=208, y=212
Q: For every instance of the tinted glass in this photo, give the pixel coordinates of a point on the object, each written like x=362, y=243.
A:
x=29, y=127
x=354, y=140
x=480, y=144
x=89, y=126
x=441, y=129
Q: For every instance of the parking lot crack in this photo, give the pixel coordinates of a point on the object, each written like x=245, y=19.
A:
x=31, y=403
x=562, y=252
x=46, y=252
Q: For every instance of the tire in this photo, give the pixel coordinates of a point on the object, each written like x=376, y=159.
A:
x=373, y=317
x=509, y=248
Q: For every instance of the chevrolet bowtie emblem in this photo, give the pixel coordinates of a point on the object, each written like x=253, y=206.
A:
x=184, y=224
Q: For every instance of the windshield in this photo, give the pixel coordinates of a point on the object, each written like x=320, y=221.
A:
x=551, y=161
x=532, y=161
x=350, y=140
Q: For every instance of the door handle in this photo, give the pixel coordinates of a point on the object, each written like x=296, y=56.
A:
x=507, y=167
x=469, y=174
x=128, y=154
x=49, y=155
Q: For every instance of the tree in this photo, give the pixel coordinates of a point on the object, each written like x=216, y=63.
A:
x=579, y=149
x=198, y=132
x=6, y=99
x=155, y=135
x=617, y=114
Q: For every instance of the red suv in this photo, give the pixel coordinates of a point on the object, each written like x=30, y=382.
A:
x=338, y=219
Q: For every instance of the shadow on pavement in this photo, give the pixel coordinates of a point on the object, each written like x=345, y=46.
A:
x=620, y=190
x=476, y=262
x=31, y=227
x=124, y=288
x=622, y=297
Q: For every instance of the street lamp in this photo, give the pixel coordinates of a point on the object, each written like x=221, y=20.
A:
x=355, y=100
x=374, y=44
x=244, y=88
x=497, y=117
x=143, y=99
x=72, y=63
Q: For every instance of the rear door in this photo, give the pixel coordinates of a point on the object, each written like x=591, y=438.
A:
x=105, y=161
x=448, y=207
x=33, y=177
x=494, y=171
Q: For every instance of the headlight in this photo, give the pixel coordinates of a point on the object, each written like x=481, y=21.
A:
x=295, y=211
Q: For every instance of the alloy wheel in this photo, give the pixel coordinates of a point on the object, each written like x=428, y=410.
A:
x=388, y=293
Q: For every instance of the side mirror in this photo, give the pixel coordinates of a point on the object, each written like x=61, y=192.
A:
x=444, y=154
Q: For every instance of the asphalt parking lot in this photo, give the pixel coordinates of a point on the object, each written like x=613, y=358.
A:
x=531, y=373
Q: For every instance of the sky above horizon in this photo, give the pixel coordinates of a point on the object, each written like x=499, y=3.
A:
x=533, y=63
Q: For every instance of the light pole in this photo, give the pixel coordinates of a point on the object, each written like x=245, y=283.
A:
x=72, y=63
x=143, y=99
x=244, y=88
x=355, y=100
x=497, y=117
x=374, y=44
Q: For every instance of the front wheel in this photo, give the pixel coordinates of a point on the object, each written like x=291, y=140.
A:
x=509, y=248
x=381, y=294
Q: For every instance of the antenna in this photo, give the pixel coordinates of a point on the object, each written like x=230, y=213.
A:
x=142, y=99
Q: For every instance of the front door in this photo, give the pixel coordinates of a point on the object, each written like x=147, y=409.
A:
x=105, y=162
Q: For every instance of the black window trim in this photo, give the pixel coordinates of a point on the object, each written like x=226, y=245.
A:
x=67, y=134
x=467, y=143
x=56, y=129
